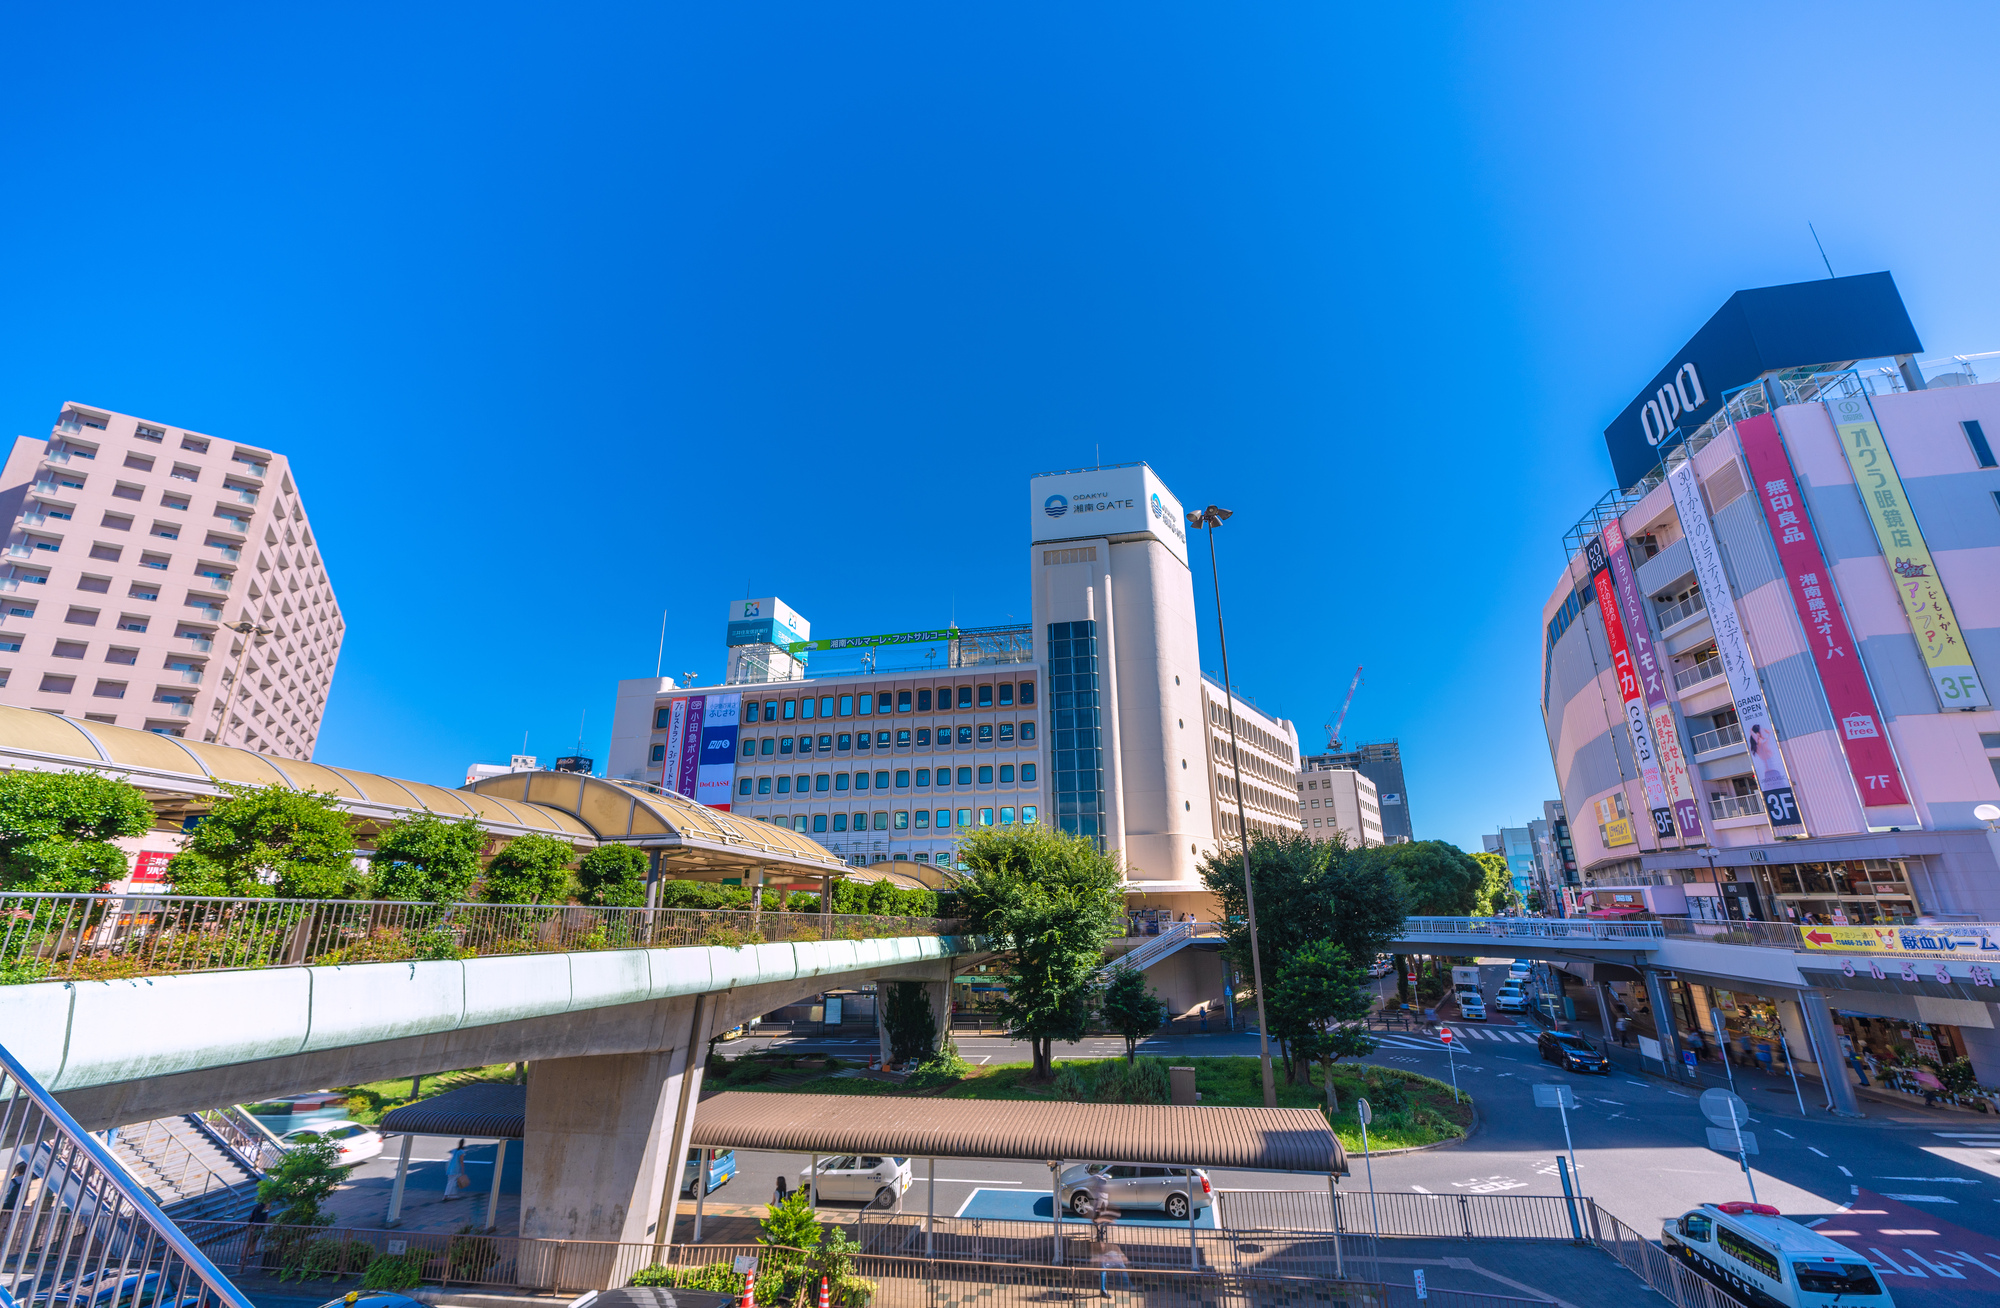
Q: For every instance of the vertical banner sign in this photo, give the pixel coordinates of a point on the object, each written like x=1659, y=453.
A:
x=670, y=771
x=1845, y=682
x=1630, y=691
x=1752, y=713
x=718, y=749
x=688, y=773
x=1674, y=775
x=1924, y=602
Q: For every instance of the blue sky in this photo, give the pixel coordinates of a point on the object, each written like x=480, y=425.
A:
x=569, y=316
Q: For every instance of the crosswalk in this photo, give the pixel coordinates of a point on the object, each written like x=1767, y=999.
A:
x=1465, y=1035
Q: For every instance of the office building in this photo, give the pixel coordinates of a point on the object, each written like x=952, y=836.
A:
x=1095, y=717
x=1382, y=763
x=1555, y=859
x=1517, y=846
x=1769, y=664
x=1342, y=800
x=135, y=547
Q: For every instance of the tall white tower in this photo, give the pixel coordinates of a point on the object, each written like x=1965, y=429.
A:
x=1116, y=638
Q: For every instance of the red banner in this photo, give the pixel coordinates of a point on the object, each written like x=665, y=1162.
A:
x=150, y=865
x=1863, y=734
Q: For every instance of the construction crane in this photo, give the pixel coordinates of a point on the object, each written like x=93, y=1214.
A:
x=1333, y=727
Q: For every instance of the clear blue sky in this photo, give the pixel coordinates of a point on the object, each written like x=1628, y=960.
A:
x=567, y=315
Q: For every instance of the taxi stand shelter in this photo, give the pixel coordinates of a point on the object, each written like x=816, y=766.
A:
x=1250, y=1139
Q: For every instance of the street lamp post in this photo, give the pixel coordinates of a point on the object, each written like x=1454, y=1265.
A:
x=249, y=631
x=1211, y=518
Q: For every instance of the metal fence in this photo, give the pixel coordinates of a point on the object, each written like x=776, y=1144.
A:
x=1449, y=1216
x=106, y=937
x=1674, y=1279
x=1530, y=928
x=75, y=1230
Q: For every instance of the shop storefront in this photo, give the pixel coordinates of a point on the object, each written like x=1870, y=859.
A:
x=1912, y=1058
x=1754, y=1031
x=1854, y=892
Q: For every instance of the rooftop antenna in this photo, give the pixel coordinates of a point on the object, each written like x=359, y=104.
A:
x=1098, y=452
x=1822, y=249
x=524, y=742
x=661, y=662
x=579, y=730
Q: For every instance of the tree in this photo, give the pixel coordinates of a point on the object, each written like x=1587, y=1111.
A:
x=533, y=869
x=912, y=1025
x=1307, y=890
x=1442, y=879
x=1316, y=1003
x=1497, y=892
x=270, y=840
x=56, y=830
x=1048, y=902
x=424, y=857
x=304, y=1178
x=613, y=876
x=1131, y=1009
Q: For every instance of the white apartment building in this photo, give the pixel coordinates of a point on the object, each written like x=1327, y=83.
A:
x=1270, y=754
x=134, y=549
x=1334, y=799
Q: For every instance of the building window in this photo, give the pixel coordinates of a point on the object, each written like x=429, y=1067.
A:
x=986, y=774
x=881, y=740
x=864, y=705
x=55, y=685
x=902, y=701
x=806, y=709
x=862, y=740
x=903, y=738
x=1975, y=436
x=1027, y=773
x=965, y=817
x=1027, y=813
x=986, y=697
x=784, y=785
x=659, y=753
x=861, y=781
x=840, y=821
x=1006, y=817
x=985, y=817
x=1027, y=731
x=784, y=744
x=965, y=697
x=1006, y=731
x=1028, y=697
x=840, y=781
x=965, y=735
x=902, y=779
x=902, y=820
x=1006, y=774
x=881, y=781
x=791, y=709
x=923, y=821
x=743, y=786
x=749, y=710
x=763, y=785
x=860, y=821
x=805, y=782
x=1006, y=694
x=923, y=737
x=923, y=701
x=821, y=782
x=749, y=749
x=769, y=746
x=826, y=706
x=847, y=706
x=986, y=733
x=944, y=819
x=965, y=776
x=846, y=741
x=819, y=823
x=923, y=776
x=944, y=776
x=1078, y=756
x=805, y=744
x=826, y=743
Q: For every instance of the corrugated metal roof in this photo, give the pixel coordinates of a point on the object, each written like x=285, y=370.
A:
x=494, y=1110
x=1261, y=1139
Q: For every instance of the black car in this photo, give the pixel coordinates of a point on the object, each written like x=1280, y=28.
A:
x=1572, y=1053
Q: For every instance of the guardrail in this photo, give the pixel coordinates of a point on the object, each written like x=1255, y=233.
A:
x=105, y=937
x=1532, y=928
x=80, y=1231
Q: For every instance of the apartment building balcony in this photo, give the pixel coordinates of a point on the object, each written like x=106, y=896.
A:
x=1708, y=742
x=1673, y=615
x=188, y=676
x=245, y=468
x=216, y=581
x=201, y=643
x=63, y=458
x=229, y=552
x=1723, y=807
x=33, y=519
x=242, y=496
x=1705, y=670
x=174, y=708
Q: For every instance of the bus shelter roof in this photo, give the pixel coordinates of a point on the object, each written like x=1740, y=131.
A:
x=1255, y=1139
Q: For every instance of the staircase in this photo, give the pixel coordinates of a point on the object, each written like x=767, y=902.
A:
x=1176, y=937
x=189, y=1171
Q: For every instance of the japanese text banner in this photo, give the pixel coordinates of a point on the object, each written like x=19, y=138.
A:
x=1674, y=776
x=1630, y=691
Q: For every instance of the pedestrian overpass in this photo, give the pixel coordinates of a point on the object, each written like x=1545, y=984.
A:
x=1940, y=973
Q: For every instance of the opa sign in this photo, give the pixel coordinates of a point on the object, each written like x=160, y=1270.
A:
x=1683, y=394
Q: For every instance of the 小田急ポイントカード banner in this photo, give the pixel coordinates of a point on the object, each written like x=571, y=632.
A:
x=1753, y=712
x=1630, y=692
x=1675, y=779
x=1863, y=735
x=1925, y=603
x=689, y=769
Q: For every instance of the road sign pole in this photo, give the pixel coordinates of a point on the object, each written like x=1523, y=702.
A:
x=1793, y=1068
x=1743, y=1155
x=1722, y=1046
x=1451, y=1058
x=1363, y=1112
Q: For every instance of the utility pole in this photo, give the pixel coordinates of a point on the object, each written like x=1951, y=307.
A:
x=1211, y=518
x=249, y=631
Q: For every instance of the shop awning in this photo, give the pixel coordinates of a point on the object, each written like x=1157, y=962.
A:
x=1257, y=1139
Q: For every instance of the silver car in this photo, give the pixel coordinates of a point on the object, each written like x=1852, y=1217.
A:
x=1122, y=1185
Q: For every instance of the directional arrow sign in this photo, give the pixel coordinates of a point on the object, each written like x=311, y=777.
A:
x=1819, y=937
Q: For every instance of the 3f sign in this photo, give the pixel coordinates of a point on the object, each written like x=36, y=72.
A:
x=1680, y=396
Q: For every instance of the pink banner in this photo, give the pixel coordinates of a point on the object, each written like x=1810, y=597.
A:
x=690, y=746
x=1863, y=735
x=1675, y=777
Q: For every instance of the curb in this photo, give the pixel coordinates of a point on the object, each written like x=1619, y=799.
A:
x=1470, y=1131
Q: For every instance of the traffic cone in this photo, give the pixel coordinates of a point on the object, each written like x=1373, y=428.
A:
x=822, y=1293
x=749, y=1286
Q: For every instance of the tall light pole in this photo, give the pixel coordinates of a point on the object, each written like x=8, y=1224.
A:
x=1211, y=518
x=249, y=631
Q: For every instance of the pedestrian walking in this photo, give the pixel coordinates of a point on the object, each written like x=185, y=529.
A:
x=253, y=1233
x=456, y=1182
x=14, y=1184
x=1624, y=1032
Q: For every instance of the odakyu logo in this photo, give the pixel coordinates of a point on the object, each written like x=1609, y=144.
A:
x=1055, y=506
x=1172, y=521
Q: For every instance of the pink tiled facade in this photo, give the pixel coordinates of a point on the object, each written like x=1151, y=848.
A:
x=134, y=548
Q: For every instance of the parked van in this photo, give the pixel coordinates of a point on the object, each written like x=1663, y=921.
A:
x=1768, y=1261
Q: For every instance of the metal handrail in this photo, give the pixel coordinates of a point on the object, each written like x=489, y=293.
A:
x=1721, y=807
x=1682, y=611
x=46, y=936
x=1531, y=928
x=1720, y=738
x=80, y=1224
x=1703, y=670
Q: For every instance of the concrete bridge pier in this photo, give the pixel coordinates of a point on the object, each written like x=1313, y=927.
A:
x=606, y=1135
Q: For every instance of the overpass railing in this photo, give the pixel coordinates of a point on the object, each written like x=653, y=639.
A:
x=1980, y=940
x=47, y=937
x=1533, y=928
x=76, y=1231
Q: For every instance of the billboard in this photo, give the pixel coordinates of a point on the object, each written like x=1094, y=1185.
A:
x=1836, y=320
x=768, y=621
x=1674, y=776
x=938, y=636
x=716, y=770
x=1753, y=714
x=1126, y=500
x=1630, y=692
x=1863, y=735
x=670, y=771
x=1925, y=604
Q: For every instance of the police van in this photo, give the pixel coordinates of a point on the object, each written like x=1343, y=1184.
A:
x=1768, y=1261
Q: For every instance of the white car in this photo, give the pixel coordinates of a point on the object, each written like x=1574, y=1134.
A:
x=869, y=1178
x=1511, y=999
x=1471, y=1005
x=357, y=1143
x=1125, y=1186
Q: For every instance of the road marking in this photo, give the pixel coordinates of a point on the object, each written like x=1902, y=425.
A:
x=976, y=1180
x=1609, y=1101
x=1819, y=1221
x=1920, y=1199
x=1810, y=1147
x=1641, y=1084
x=1933, y=1180
x=1419, y=1189
x=1789, y=1136
x=1677, y=1094
x=1843, y=1170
